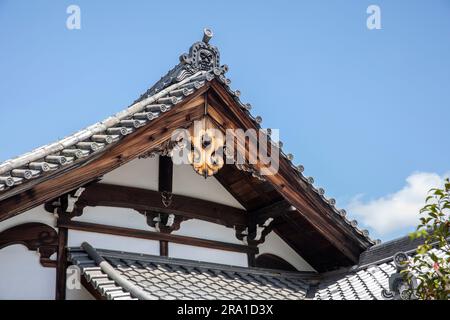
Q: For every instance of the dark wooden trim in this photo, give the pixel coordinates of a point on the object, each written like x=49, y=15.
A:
x=251, y=258
x=36, y=237
x=165, y=181
x=61, y=266
x=100, y=194
x=150, y=235
x=271, y=211
x=163, y=248
x=165, y=174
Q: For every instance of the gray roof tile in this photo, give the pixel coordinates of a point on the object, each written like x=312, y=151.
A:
x=167, y=278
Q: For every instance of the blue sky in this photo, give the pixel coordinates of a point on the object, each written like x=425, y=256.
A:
x=363, y=110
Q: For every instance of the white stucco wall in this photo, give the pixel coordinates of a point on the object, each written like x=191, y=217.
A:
x=188, y=183
x=211, y=231
x=139, y=173
x=207, y=230
x=275, y=245
x=119, y=217
x=21, y=274
x=23, y=277
x=209, y=255
x=112, y=242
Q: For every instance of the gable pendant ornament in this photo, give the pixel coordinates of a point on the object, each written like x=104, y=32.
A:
x=206, y=156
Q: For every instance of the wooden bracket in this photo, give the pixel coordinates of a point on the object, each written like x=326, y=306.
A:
x=36, y=237
x=260, y=222
x=68, y=205
x=254, y=234
x=162, y=221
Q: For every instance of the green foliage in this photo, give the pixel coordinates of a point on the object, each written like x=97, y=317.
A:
x=432, y=271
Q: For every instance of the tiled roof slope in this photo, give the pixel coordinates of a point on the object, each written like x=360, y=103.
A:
x=154, y=277
x=379, y=252
x=364, y=284
x=200, y=65
x=368, y=279
x=111, y=272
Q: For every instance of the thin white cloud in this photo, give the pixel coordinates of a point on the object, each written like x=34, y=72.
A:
x=398, y=210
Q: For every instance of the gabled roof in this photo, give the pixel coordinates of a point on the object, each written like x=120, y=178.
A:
x=197, y=72
x=122, y=276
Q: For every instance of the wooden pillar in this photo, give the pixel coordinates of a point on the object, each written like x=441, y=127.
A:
x=61, y=265
x=251, y=255
x=163, y=248
x=165, y=174
x=165, y=181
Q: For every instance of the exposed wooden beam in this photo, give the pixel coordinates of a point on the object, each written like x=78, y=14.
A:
x=274, y=210
x=150, y=235
x=165, y=181
x=165, y=174
x=100, y=194
x=36, y=237
x=61, y=265
x=163, y=248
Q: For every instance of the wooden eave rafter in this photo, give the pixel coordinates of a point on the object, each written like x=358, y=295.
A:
x=143, y=140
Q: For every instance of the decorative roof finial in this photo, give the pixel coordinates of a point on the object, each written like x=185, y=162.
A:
x=207, y=35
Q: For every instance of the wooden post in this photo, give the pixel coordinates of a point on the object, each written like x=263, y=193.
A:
x=163, y=248
x=165, y=180
x=61, y=265
x=251, y=258
x=165, y=174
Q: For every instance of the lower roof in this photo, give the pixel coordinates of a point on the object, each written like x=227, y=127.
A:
x=120, y=275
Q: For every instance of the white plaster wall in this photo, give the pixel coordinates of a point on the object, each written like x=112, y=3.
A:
x=37, y=214
x=208, y=255
x=21, y=274
x=139, y=173
x=207, y=230
x=112, y=242
x=211, y=231
x=188, y=183
x=23, y=277
x=275, y=245
x=119, y=217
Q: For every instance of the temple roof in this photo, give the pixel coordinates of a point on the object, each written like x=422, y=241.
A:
x=123, y=275
x=120, y=275
x=375, y=275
